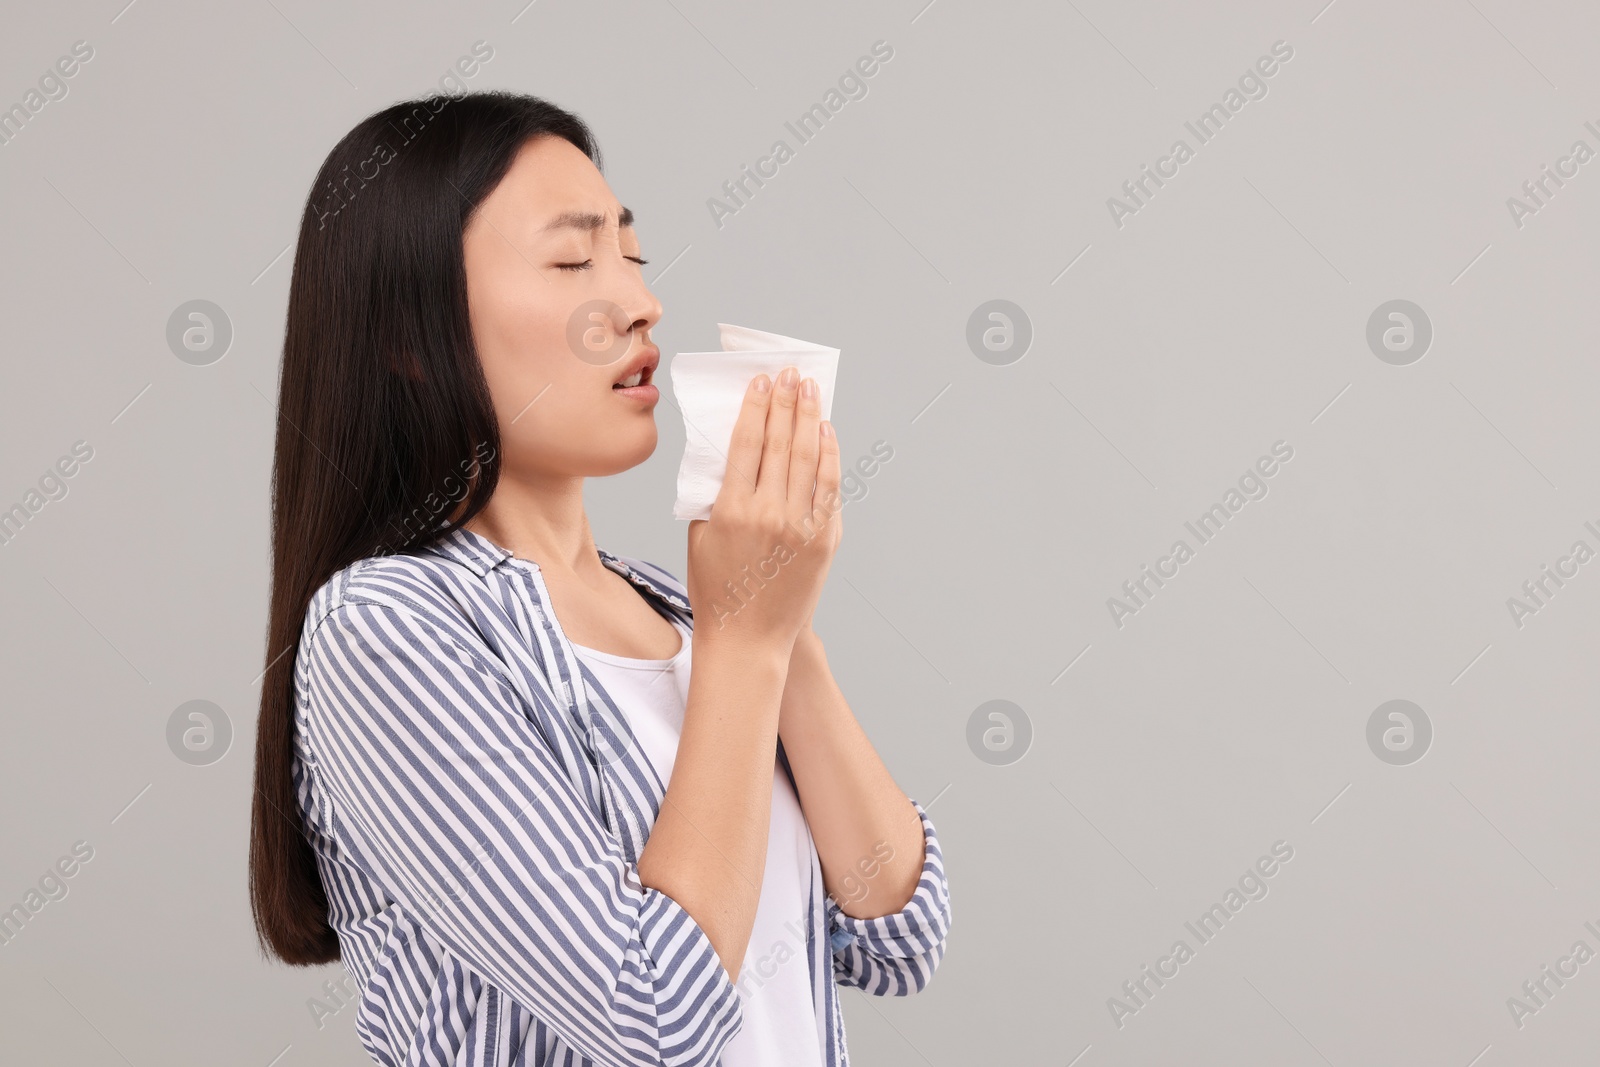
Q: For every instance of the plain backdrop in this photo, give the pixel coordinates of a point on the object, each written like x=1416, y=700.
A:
x=1142, y=762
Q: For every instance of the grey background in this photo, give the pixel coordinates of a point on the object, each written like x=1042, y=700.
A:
x=1226, y=315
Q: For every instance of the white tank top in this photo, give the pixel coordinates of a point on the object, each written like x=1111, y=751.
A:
x=780, y=1021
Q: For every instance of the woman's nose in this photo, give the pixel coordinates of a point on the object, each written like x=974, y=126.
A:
x=642, y=309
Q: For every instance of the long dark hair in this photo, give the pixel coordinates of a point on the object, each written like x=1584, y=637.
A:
x=386, y=436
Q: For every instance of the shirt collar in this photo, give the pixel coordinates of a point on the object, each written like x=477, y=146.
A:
x=481, y=555
x=473, y=551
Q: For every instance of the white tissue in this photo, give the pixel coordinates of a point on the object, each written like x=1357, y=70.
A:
x=709, y=388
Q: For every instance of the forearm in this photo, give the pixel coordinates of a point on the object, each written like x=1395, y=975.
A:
x=867, y=834
x=708, y=848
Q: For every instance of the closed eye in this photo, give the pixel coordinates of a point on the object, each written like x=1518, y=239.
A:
x=589, y=263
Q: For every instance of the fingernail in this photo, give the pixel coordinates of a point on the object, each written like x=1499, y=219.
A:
x=827, y=428
x=808, y=389
x=763, y=383
x=786, y=379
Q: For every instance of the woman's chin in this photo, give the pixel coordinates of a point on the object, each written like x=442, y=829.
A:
x=629, y=449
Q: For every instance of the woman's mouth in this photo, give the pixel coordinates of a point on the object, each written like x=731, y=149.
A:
x=638, y=386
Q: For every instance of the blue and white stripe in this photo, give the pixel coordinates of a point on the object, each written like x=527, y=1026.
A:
x=477, y=819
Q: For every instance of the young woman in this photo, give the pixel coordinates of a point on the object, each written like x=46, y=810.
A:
x=486, y=778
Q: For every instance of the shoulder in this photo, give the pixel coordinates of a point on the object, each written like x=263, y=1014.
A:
x=427, y=589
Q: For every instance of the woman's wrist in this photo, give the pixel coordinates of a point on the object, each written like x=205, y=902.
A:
x=807, y=666
x=806, y=686
x=807, y=643
x=711, y=643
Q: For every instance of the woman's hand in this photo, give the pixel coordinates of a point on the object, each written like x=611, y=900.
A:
x=756, y=567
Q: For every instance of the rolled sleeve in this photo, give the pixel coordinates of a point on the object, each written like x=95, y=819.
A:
x=444, y=791
x=896, y=954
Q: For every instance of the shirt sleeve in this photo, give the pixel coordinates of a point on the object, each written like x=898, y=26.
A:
x=896, y=954
x=444, y=792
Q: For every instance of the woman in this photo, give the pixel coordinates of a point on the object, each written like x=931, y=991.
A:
x=486, y=778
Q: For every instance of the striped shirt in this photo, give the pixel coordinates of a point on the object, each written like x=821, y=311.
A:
x=477, y=806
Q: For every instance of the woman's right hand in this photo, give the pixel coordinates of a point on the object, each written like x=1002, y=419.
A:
x=756, y=567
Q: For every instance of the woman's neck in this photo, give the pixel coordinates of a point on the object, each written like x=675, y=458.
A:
x=542, y=520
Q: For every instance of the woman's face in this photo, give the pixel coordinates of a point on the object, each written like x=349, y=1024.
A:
x=560, y=313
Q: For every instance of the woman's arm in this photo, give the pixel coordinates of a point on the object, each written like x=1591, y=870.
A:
x=708, y=848
x=857, y=815
x=888, y=907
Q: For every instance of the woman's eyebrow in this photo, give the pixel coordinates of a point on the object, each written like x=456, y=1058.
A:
x=587, y=220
